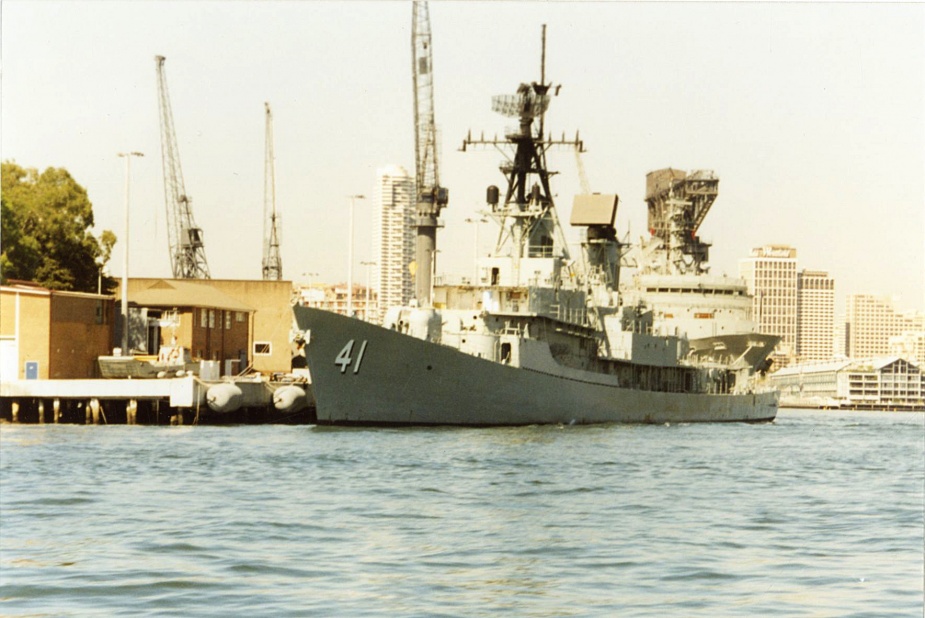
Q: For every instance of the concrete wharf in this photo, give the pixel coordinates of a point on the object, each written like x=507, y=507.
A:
x=167, y=401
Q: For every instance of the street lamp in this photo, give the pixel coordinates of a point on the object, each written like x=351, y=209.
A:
x=128, y=175
x=368, y=266
x=475, y=255
x=353, y=199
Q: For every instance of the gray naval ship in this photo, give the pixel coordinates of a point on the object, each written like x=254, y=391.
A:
x=538, y=337
x=673, y=276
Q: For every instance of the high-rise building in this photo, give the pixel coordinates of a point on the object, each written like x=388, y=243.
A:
x=770, y=273
x=815, y=316
x=394, y=238
x=870, y=322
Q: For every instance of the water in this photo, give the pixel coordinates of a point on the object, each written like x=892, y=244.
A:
x=817, y=514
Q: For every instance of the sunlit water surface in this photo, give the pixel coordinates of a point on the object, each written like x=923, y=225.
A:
x=817, y=514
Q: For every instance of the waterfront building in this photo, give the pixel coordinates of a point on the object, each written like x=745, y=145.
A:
x=50, y=334
x=870, y=322
x=911, y=345
x=394, y=236
x=193, y=315
x=885, y=383
x=815, y=335
x=333, y=298
x=770, y=274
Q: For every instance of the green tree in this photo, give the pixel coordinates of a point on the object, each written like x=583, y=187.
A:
x=46, y=231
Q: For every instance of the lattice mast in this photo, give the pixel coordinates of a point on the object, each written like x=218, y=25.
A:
x=527, y=217
x=272, y=262
x=430, y=197
x=185, y=238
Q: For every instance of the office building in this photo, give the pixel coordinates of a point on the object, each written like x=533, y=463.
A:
x=770, y=272
x=815, y=316
x=394, y=237
x=870, y=322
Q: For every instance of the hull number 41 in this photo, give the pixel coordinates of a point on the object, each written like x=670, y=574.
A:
x=345, y=358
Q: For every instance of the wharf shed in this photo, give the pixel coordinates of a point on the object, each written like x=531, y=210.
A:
x=52, y=334
x=268, y=304
x=191, y=314
x=887, y=382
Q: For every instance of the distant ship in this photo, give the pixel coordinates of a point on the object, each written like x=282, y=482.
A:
x=674, y=280
x=539, y=337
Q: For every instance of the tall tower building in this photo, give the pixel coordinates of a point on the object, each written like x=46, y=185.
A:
x=770, y=273
x=815, y=316
x=870, y=322
x=394, y=236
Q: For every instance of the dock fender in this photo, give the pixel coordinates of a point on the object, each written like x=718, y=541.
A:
x=289, y=398
x=225, y=397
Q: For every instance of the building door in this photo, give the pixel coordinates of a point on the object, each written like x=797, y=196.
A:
x=9, y=359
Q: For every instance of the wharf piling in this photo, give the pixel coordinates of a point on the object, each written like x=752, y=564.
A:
x=169, y=401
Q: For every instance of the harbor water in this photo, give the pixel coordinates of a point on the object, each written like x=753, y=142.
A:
x=816, y=514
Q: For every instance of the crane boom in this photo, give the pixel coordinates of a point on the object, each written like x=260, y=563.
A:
x=430, y=196
x=272, y=262
x=187, y=253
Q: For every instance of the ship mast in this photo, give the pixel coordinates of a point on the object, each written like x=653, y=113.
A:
x=528, y=221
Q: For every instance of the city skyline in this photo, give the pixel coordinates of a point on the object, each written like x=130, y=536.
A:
x=811, y=115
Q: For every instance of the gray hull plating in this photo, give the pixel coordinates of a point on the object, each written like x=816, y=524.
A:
x=364, y=374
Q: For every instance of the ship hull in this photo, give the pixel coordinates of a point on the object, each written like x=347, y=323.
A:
x=364, y=374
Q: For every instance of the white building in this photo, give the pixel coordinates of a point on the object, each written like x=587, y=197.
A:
x=887, y=383
x=870, y=322
x=770, y=273
x=394, y=237
x=815, y=316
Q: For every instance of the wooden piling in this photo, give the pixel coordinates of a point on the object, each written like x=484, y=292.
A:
x=131, y=412
x=14, y=410
x=41, y=411
x=56, y=410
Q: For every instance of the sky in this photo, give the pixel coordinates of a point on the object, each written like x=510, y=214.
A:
x=812, y=115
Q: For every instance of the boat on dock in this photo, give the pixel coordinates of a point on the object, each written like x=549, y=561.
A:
x=539, y=337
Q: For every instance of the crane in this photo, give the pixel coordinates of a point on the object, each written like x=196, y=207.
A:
x=272, y=262
x=430, y=197
x=187, y=253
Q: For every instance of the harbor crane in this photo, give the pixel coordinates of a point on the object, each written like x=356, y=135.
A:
x=187, y=253
x=430, y=197
x=272, y=262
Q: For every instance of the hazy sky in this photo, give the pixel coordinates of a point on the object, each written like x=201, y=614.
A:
x=813, y=115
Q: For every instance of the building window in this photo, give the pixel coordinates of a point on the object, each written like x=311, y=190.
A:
x=262, y=348
x=239, y=316
x=227, y=320
x=203, y=320
x=211, y=318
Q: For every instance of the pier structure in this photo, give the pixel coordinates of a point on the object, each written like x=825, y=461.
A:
x=171, y=401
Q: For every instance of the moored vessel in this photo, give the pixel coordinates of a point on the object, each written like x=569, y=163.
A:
x=539, y=337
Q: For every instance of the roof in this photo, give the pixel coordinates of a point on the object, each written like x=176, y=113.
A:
x=179, y=293
x=25, y=287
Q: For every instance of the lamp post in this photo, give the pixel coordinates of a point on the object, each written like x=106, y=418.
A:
x=475, y=251
x=309, y=275
x=368, y=266
x=128, y=175
x=353, y=199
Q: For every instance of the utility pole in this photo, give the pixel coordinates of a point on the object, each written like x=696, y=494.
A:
x=128, y=180
x=353, y=199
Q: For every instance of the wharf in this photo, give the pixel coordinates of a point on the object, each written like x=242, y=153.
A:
x=174, y=401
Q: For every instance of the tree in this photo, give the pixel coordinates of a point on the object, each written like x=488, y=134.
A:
x=46, y=231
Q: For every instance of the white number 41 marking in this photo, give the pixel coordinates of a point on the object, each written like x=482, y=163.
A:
x=344, y=359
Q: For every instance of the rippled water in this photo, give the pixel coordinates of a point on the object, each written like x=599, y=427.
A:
x=817, y=514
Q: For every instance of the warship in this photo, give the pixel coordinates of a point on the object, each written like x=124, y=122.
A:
x=538, y=337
